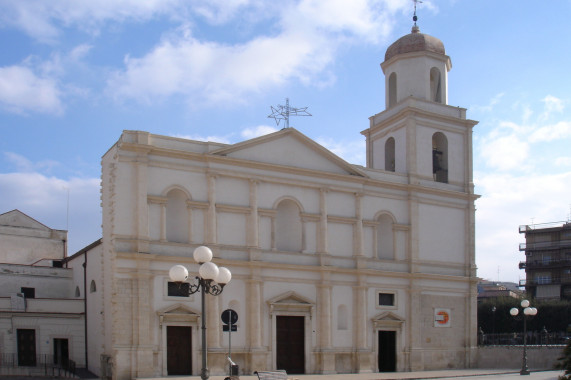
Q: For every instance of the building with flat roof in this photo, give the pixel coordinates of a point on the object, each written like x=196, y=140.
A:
x=547, y=262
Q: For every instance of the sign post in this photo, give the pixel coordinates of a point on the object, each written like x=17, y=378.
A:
x=229, y=318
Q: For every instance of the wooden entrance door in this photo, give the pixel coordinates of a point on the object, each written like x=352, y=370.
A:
x=26, y=347
x=61, y=352
x=290, y=344
x=387, y=351
x=179, y=350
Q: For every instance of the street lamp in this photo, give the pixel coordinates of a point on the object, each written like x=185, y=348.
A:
x=528, y=312
x=211, y=280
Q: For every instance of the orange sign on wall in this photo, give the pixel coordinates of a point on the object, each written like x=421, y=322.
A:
x=441, y=317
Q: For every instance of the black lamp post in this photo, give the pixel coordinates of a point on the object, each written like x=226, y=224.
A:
x=211, y=280
x=494, y=338
x=528, y=312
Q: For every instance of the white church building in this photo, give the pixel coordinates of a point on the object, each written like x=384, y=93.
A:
x=336, y=267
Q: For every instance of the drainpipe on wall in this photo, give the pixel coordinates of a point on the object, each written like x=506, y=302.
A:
x=85, y=305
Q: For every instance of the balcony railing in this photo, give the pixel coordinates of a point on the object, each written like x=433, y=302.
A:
x=38, y=365
x=534, y=338
x=530, y=264
x=546, y=281
x=545, y=245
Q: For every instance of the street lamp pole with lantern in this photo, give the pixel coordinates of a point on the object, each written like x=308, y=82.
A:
x=211, y=280
x=528, y=312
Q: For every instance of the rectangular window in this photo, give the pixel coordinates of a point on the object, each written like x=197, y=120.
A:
x=386, y=299
x=28, y=292
x=178, y=289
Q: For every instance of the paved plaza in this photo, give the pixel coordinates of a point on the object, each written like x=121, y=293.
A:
x=467, y=374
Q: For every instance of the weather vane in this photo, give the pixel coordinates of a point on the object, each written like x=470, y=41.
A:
x=414, y=18
x=284, y=112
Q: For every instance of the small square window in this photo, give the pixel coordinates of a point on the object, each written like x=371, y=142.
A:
x=178, y=289
x=28, y=292
x=386, y=299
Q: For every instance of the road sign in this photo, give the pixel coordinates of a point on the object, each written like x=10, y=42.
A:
x=226, y=328
x=229, y=317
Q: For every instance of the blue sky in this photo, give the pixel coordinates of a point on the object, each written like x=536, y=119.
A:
x=74, y=74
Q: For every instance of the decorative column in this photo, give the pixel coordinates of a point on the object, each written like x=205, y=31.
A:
x=358, y=234
x=189, y=211
x=253, y=224
x=361, y=330
x=325, y=315
x=211, y=214
x=259, y=354
x=415, y=327
x=322, y=247
x=142, y=326
x=141, y=217
x=163, y=206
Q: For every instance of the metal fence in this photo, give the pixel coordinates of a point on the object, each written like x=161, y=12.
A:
x=40, y=365
x=534, y=338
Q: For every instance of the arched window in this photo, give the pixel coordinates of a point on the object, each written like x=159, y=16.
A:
x=440, y=157
x=92, y=287
x=435, y=85
x=392, y=89
x=390, y=154
x=385, y=246
x=342, y=317
x=177, y=217
x=288, y=226
x=77, y=292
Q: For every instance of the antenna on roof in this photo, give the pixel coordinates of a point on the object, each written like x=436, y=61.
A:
x=281, y=112
x=414, y=17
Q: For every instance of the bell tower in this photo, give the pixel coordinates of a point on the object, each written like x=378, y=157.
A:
x=419, y=134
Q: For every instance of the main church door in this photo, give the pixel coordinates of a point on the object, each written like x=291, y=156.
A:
x=179, y=350
x=387, y=351
x=290, y=344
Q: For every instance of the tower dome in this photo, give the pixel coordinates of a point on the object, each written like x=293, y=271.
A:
x=415, y=42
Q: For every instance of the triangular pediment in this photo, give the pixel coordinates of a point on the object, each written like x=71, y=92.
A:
x=17, y=218
x=177, y=309
x=290, y=148
x=289, y=298
x=388, y=319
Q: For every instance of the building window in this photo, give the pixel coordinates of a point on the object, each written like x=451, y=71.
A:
x=392, y=89
x=385, y=241
x=440, y=157
x=543, y=279
x=177, y=217
x=92, y=287
x=175, y=289
x=28, y=292
x=77, y=292
x=288, y=227
x=435, y=85
x=390, y=154
x=342, y=317
x=386, y=299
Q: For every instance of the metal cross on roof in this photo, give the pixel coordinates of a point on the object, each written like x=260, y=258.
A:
x=281, y=112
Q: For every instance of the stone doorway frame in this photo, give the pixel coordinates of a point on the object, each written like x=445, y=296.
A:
x=389, y=321
x=179, y=315
x=292, y=304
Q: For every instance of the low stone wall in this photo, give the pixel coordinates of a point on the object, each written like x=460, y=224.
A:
x=500, y=357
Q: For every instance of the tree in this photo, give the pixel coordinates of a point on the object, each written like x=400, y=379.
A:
x=565, y=362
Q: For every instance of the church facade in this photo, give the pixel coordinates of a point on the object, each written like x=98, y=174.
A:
x=336, y=267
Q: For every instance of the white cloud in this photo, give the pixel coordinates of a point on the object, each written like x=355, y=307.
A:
x=563, y=161
x=351, y=151
x=250, y=133
x=42, y=20
x=46, y=199
x=504, y=153
x=552, y=105
x=507, y=202
x=24, y=165
x=557, y=131
x=21, y=91
x=308, y=34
